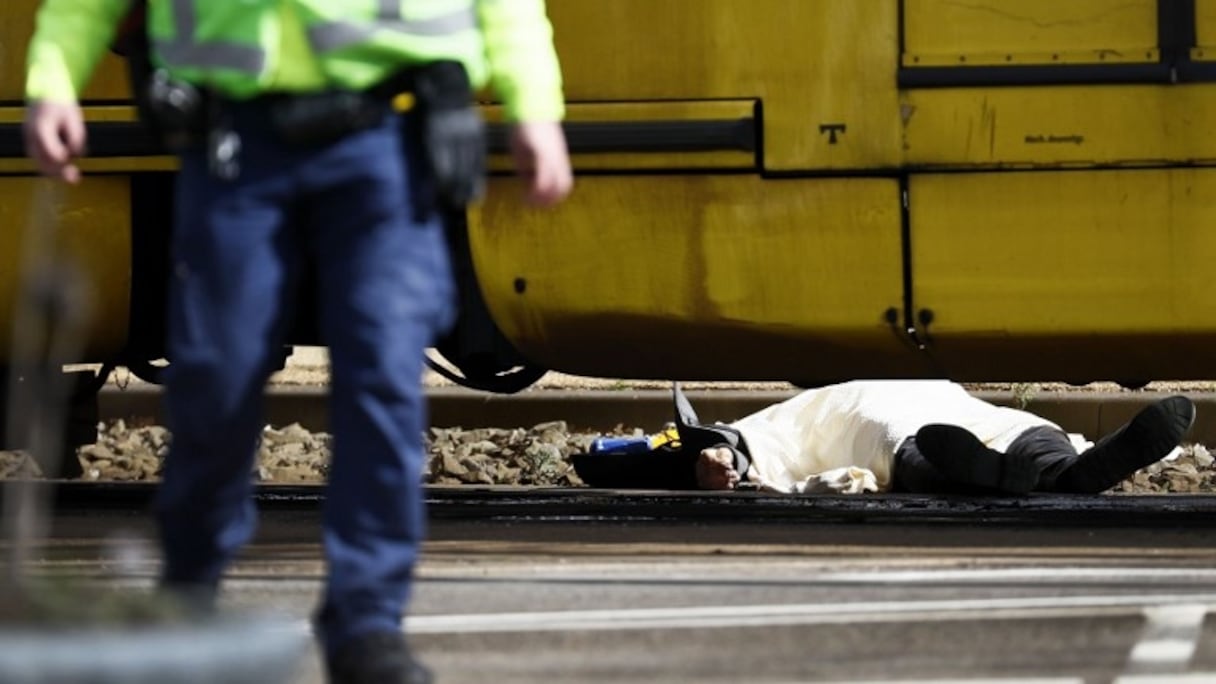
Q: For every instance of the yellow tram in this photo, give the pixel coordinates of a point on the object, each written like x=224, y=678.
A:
x=808, y=190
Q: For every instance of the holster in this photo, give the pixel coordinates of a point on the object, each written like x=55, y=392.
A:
x=451, y=132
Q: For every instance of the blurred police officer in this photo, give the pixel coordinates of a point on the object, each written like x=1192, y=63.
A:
x=291, y=154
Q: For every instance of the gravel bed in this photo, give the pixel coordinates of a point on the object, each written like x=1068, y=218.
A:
x=293, y=455
x=523, y=456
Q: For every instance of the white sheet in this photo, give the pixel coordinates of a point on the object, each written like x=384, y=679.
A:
x=802, y=444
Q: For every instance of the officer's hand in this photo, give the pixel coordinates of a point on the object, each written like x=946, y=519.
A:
x=54, y=137
x=541, y=157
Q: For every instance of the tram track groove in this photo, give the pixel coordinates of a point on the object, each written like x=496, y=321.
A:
x=585, y=506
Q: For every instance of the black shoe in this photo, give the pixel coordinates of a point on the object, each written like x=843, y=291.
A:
x=1149, y=437
x=962, y=457
x=376, y=658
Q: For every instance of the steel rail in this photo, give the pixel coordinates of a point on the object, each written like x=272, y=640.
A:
x=507, y=504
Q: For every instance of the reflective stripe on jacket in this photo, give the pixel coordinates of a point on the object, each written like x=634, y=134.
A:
x=237, y=47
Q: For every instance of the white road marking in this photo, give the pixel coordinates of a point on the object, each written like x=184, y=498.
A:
x=1001, y=680
x=805, y=578
x=807, y=574
x=1173, y=627
x=1157, y=652
x=701, y=617
x=1025, y=575
x=1188, y=678
x=1169, y=639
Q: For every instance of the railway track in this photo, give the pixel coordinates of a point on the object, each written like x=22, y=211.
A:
x=593, y=506
x=1089, y=413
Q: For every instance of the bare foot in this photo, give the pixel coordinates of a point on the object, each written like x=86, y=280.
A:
x=716, y=469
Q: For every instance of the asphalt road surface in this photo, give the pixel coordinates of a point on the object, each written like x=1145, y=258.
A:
x=584, y=601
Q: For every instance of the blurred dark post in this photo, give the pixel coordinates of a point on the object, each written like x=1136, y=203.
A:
x=49, y=320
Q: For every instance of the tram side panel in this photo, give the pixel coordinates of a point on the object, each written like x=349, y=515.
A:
x=744, y=169
x=1060, y=198
x=1069, y=275
x=780, y=258
x=1055, y=178
x=705, y=276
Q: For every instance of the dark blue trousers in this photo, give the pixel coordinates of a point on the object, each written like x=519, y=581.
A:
x=352, y=209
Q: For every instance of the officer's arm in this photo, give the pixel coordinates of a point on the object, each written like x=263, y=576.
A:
x=523, y=63
x=69, y=38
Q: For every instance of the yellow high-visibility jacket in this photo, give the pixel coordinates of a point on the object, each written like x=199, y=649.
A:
x=242, y=49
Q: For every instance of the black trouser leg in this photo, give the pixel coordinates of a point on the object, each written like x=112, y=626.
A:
x=1050, y=450
x=915, y=475
x=1149, y=437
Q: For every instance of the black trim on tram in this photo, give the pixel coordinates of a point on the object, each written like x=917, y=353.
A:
x=718, y=135
x=110, y=139
x=1033, y=75
x=106, y=139
x=1177, y=34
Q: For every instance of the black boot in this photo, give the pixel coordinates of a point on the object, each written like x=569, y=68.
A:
x=376, y=658
x=962, y=457
x=1149, y=437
